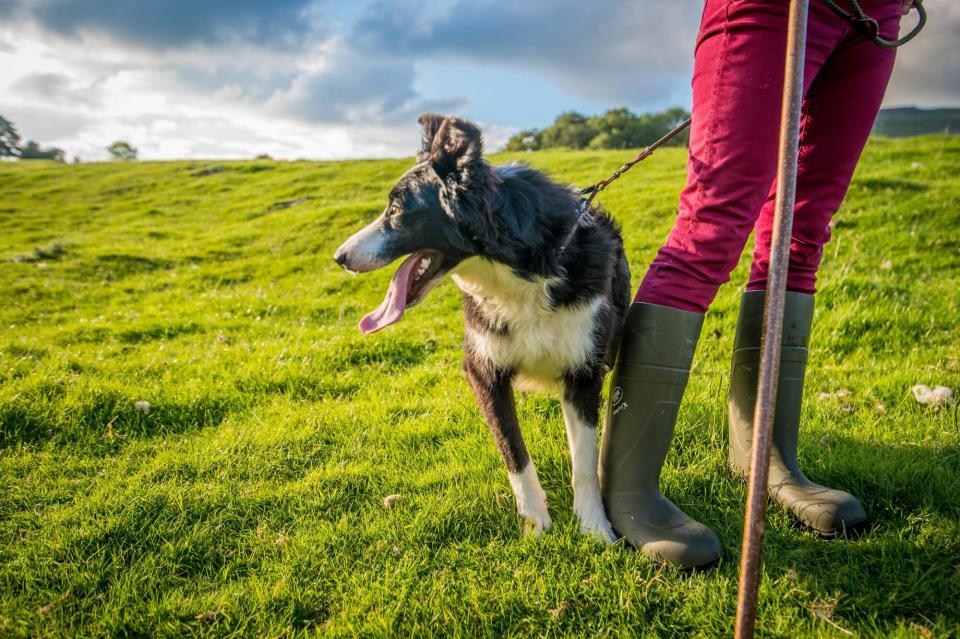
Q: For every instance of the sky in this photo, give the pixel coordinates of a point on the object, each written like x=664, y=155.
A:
x=331, y=79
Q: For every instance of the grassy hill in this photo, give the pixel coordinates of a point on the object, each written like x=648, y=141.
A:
x=247, y=499
x=910, y=121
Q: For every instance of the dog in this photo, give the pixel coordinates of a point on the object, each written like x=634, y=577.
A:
x=545, y=286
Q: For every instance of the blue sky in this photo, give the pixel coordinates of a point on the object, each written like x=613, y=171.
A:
x=341, y=78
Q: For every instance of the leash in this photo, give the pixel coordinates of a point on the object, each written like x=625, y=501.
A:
x=868, y=27
x=594, y=189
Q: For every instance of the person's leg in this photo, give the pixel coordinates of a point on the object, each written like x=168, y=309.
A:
x=737, y=85
x=839, y=111
x=737, y=88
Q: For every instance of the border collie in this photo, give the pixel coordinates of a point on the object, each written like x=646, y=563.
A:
x=545, y=292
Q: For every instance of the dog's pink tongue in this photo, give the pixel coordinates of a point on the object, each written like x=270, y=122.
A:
x=391, y=309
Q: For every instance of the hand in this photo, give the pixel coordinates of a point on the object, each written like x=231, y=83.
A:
x=905, y=6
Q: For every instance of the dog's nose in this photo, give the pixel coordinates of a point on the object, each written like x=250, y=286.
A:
x=340, y=257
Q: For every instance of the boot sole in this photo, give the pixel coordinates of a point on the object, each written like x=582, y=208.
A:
x=854, y=531
x=710, y=565
x=666, y=564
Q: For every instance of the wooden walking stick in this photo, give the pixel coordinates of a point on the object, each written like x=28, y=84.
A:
x=772, y=320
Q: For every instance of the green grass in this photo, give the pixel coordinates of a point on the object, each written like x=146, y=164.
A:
x=249, y=499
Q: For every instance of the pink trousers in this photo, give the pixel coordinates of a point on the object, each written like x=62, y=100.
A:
x=737, y=87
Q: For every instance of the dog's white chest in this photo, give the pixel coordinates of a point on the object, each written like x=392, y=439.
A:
x=540, y=343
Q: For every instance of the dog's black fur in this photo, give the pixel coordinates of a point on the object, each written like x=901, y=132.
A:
x=454, y=206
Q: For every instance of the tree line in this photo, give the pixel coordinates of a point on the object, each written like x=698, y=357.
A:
x=616, y=129
x=10, y=147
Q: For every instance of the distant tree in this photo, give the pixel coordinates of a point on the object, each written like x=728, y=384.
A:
x=33, y=151
x=667, y=120
x=263, y=156
x=621, y=128
x=528, y=140
x=121, y=150
x=675, y=115
x=9, y=139
x=616, y=129
x=570, y=129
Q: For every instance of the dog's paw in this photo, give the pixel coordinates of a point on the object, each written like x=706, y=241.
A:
x=601, y=531
x=595, y=524
x=535, y=524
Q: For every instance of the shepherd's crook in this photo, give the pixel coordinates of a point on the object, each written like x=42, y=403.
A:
x=772, y=319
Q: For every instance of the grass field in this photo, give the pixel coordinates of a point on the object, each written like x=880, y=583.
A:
x=248, y=499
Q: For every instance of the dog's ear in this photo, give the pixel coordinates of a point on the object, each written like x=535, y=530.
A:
x=449, y=143
x=431, y=123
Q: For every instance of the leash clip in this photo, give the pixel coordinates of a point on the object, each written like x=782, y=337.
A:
x=583, y=218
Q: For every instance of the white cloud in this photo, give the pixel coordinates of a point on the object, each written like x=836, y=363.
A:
x=83, y=102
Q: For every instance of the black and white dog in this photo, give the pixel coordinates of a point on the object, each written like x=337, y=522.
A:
x=545, y=293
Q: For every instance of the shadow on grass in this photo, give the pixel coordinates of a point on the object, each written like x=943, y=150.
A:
x=118, y=266
x=387, y=354
x=298, y=387
x=101, y=420
x=134, y=335
x=882, y=184
x=894, y=481
x=156, y=332
x=904, y=569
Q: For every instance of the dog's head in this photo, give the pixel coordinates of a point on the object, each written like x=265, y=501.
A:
x=435, y=215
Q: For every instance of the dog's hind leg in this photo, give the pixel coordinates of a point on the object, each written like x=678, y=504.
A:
x=581, y=409
x=495, y=396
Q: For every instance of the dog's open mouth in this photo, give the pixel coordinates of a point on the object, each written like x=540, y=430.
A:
x=410, y=284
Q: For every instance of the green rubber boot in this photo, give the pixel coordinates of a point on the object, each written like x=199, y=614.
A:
x=825, y=510
x=648, y=382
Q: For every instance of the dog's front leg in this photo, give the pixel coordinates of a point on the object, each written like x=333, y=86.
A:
x=581, y=407
x=495, y=396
